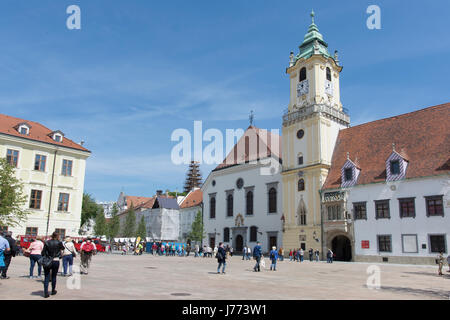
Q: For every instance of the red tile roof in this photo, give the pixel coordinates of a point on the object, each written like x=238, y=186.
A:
x=140, y=202
x=194, y=198
x=38, y=132
x=422, y=137
x=243, y=152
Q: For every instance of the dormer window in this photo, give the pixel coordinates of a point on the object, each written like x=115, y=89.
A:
x=396, y=166
x=23, y=128
x=57, y=136
x=348, y=174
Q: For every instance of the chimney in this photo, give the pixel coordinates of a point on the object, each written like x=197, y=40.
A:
x=158, y=192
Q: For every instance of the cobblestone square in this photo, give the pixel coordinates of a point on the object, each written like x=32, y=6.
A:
x=113, y=276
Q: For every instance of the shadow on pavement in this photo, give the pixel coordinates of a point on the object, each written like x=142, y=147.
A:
x=440, y=294
x=447, y=276
x=38, y=293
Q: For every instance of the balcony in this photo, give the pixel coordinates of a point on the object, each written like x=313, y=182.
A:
x=302, y=113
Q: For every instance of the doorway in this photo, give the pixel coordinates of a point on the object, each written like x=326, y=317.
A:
x=342, y=248
x=212, y=242
x=239, y=243
x=272, y=242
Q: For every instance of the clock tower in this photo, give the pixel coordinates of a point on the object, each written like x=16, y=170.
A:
x=310, y=128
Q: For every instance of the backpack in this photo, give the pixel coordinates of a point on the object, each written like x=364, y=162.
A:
x=272, y=256
x=88, y=247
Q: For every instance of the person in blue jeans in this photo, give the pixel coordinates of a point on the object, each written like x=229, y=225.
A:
x=68, y=255
x=273, y=257
x=221, y=258
x=257, y=256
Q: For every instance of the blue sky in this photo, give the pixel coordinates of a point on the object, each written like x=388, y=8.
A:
x=138, y=69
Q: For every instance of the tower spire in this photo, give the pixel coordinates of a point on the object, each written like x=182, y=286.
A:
x=312, y=16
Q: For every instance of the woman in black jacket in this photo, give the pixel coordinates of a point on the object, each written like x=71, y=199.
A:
x=53, y=249
x=221, y=258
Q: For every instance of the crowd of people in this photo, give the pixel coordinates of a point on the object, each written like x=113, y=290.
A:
x=47, y=256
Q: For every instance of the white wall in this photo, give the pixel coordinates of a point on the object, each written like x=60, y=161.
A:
x=421, y=225
x=226, y=180
x=187, y=217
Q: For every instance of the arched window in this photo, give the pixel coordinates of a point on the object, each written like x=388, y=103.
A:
x=328, y=74
x=226, y=234
x=253, y=234
x=272, y=200
x=230, y=205
x=212, y=208
x=301, y=185
x=249, y=203
x=302, y=74
x=303, y=218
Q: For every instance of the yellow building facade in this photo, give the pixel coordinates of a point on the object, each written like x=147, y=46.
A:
x=52, y=170
x=310, y=128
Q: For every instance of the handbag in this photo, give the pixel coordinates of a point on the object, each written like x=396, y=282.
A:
x=45, y=261
x=26, y=253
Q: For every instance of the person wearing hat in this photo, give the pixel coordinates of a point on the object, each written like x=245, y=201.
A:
x=273, y=258
x=69, y=254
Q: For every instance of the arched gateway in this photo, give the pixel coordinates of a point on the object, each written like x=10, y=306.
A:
x=342, y=248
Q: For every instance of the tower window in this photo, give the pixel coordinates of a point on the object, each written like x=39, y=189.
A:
x=272, y=200
x=302, y=74
x=301, y=185
x=328, y=74
x=300, y=160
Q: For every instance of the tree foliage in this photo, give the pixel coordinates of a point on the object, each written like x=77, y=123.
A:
x=198, y=231
x=113, y=227
x=141, y=230
x=130, y=223
x=89, y=208
x=12, y=198
x=100, y=227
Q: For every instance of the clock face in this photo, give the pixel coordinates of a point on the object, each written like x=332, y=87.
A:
x=329, y=87
x=302, y=88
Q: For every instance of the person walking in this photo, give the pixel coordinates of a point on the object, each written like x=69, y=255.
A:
x=329, y=256
x=87, y=249
x=291, y=255
x=317, y=254
x=311, y=253
x=273, y=258
x=244, y=252
x=249, y=253
x=440, y=263
x=231, y=251
x=68, y=255
x=34, y=251
x=281, y=254
x=221, y=258
x=301, y=253
x=9, y=254
x=257, y=256
x=4, y=248
x=53, y=249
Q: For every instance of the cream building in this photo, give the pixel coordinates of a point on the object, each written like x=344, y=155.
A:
x=52, y=168
x=310, y=128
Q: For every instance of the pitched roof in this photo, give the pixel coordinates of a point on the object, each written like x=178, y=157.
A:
x=140, y=202
x=165, y=202
x=246, y=150
x=422, y=137
x=194, y=198
x=38, y=132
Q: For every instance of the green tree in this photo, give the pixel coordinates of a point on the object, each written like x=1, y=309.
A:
x=100, y=227
x=198, y=231
x=89, y=208
x=113, y=226
x=141, y=230
x=130, y=223
x=12, y=199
